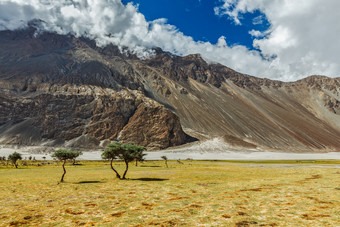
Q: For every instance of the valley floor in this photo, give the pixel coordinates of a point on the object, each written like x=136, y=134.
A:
x=195, y=153
x=195, y=193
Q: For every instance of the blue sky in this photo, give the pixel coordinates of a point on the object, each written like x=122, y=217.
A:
x=196, y=18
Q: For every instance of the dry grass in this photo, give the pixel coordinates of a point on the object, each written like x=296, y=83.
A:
x=193, y=194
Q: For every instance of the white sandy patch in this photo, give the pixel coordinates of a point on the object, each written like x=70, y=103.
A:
x=241, y=156
x=214, y=149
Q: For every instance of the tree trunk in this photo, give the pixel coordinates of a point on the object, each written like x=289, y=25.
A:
x=126, y=169
x=62, y=177
x=117, y=174
x=166, y=163
x=74, y=162
x=16, y=164
x=136, y=163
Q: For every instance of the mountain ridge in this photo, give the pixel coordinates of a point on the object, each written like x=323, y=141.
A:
x=207, y=100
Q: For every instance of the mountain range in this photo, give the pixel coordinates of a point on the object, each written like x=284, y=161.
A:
x=61, y=90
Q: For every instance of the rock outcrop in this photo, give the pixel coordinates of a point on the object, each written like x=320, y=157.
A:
x=87, y=118
x=153, y=125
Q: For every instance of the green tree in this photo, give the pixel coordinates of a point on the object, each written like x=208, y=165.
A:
x=166, y=160
x=131, y=152
x=14, y=158
x=125, y=152
x=64, y=155
x=111, y=153
x=78, y=153
x=140, y=155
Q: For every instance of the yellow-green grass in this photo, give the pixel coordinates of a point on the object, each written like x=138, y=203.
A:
x=196, y=193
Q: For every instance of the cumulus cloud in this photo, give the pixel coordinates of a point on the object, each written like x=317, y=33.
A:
x=106, y=21
x=110, y=21
x=303, y=35
x=256, y=33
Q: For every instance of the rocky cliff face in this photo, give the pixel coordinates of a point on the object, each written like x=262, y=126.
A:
x=58, y=90
x=66, y=114
x=64, y=90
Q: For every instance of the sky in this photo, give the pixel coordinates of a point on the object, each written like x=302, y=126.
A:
x=196, y=18
x=277, y=39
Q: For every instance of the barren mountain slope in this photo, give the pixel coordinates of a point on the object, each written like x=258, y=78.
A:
x=212, y=100
x=56, y=89
x=60, y=88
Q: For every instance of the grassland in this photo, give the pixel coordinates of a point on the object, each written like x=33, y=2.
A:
x=196, y=193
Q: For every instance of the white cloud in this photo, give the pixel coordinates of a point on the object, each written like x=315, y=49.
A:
x=109, y=21
x=303, y=35
x=258, y=20
x=256, y=33
x=303, y=42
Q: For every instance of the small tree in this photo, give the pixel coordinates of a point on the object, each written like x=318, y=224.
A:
x=130, y=153
x=125, y=152
x=166, y=160
x=140, y=156
x=111, y=153
x=14, y=158
x=78, y=153
x=64, y=155
x=3, y=158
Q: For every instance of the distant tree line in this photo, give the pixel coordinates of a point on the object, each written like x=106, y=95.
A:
x=114, y=151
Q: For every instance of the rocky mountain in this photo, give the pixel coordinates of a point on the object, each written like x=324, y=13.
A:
x=63, y=90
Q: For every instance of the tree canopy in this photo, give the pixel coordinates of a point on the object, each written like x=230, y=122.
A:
x=63, y=155
x=125, y=152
